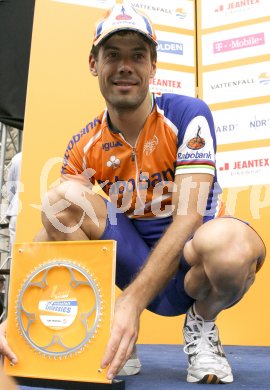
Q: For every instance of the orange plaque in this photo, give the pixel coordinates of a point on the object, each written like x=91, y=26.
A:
x=60, y=308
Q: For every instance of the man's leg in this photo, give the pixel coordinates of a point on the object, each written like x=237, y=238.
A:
x=224, y=255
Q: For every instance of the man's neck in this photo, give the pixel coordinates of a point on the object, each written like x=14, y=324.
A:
x=130, y=122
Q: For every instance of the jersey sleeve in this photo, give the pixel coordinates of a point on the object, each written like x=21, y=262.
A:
x=74, y=166
x=196, y=141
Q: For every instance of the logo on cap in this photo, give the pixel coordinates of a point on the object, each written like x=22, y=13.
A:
x=123, y=16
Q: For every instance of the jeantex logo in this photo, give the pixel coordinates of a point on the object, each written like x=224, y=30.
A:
x=236, y=6
x=245, y=164
x=251, y=166
x=156, y=81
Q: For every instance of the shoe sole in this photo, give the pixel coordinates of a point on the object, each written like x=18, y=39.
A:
x=209, y=379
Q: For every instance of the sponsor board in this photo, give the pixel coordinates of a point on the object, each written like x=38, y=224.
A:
x=243, y=167
x=235, y=44
x=241, y=82
x=242, y=124
x=223, y=12
x=175, y=48
x=169, y=81
x=104, y=4
x=173, y=13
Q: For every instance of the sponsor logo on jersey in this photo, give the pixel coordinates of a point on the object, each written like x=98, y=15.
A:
x=145, y=181
x=113, y=162
x=197, y=155
x=150, y=145
x=109, y=145
x=76, y=138
x=196, y=142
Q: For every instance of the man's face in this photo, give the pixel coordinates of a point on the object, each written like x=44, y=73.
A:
x=124, y=67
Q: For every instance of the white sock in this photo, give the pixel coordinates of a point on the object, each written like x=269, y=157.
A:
x=208, y=324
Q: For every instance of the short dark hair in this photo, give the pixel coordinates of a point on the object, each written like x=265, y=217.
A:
x=153, y=48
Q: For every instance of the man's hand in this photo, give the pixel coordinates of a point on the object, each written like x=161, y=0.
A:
x=4, y=347
x=124, y=334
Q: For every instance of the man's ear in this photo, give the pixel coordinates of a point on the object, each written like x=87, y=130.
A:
x=154, y=69
x=92, y=65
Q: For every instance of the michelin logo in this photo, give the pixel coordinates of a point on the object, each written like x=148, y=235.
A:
x=170, y=47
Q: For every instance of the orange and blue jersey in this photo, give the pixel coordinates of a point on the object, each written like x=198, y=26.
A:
x=178, y=137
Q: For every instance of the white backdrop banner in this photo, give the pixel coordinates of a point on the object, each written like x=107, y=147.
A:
x=104, y=4
x=170, y=81
x=175, y=48
x=244, y=167
x=241, y=82
x=222, y=12
x=173, y=13
x=242, y=124
x=235, y=44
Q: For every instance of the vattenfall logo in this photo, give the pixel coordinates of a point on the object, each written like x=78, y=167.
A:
x=180, y=13
x=233, y=84
x=170, y=47
x=264, y=78
x=236, y=6
x=148, y=7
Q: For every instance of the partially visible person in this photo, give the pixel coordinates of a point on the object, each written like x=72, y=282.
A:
x=4, y=347
x=2, y=294
x=13, y=187
x=6, y=383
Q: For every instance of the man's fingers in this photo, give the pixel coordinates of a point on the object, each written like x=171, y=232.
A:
x=120, y=358
x=110, y=351
x=6, y=351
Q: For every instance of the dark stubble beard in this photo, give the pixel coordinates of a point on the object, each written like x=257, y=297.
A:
x=125, y=103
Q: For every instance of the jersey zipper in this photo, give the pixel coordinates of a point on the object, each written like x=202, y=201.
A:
x=134, y=159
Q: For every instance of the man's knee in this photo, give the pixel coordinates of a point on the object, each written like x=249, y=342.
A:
x=230, y=240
